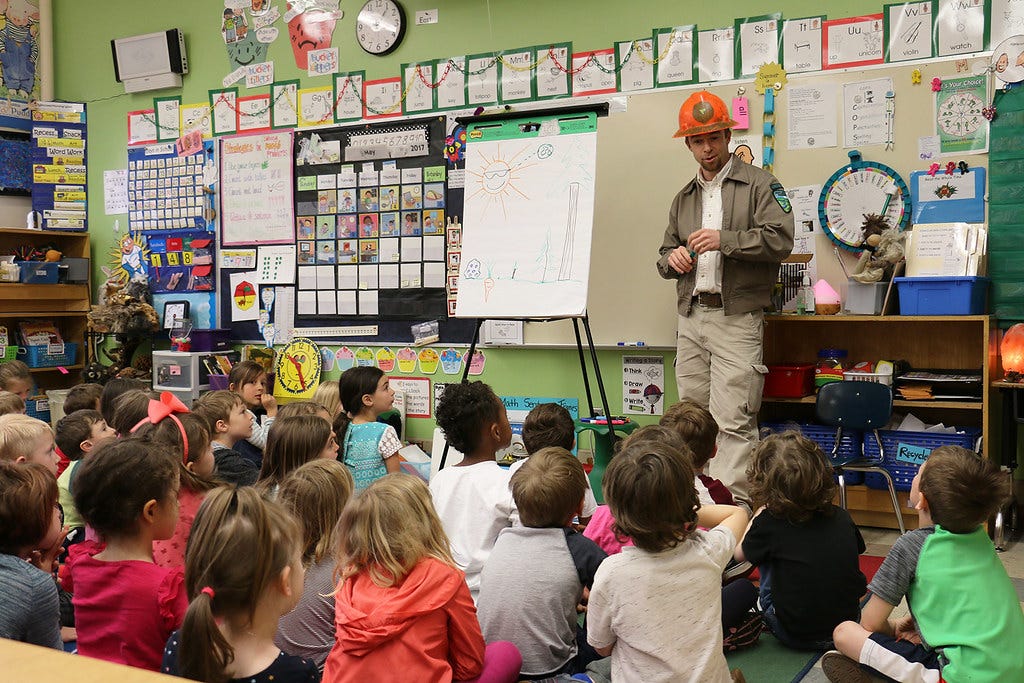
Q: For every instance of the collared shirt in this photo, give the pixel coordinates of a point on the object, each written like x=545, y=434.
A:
x=709, y=264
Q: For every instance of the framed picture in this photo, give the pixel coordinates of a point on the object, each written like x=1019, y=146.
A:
x=174, y=311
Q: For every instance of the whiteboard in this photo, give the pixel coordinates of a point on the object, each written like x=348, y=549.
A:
x=256, y=189
x=527, y=224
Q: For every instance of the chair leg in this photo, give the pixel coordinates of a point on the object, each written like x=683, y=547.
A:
x=895, y=500
x=842, y=489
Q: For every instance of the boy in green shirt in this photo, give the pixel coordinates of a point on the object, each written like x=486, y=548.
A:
x=966, y=622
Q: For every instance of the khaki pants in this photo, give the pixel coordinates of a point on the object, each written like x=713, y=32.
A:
x=719, y=366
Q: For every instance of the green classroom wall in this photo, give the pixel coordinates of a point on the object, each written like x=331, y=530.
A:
x=84, y=72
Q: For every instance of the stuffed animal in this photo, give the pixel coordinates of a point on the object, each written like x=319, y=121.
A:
x=881, y=254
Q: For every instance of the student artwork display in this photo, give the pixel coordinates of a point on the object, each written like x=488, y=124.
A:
x=171, y=192
x=59, y=165
x=370, y=221
x=529, y=212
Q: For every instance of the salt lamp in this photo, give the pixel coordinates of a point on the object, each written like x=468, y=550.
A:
x=826, y=300
x=1012, y=351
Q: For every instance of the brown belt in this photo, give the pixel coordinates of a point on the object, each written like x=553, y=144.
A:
x=707, y=300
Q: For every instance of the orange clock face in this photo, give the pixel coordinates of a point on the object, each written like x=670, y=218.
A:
x=245, y=296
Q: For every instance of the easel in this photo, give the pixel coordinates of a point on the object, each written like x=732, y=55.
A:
x=576, y=320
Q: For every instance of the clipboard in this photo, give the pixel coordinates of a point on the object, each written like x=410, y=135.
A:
x=957, y=198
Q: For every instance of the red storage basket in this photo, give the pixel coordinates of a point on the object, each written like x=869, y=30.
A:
x=789, y=381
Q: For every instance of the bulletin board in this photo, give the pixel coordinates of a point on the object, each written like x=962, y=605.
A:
x=640, y=168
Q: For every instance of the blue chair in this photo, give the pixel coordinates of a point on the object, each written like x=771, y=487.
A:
x=858, y=405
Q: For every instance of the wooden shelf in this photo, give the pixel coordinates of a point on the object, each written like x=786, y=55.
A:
x=76, y=366
x=899, y=403
x=963, y=342
x=66, y=304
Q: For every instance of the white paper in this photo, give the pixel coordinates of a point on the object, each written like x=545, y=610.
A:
x=590, y=78
x=759, y=45
x=412, y=175
x=418, y=97
x=348, y=91
x=307, y=278
x=237, y=258
x=715, y=54
x=805, y=208
x=1007, y=20
x=801, y=45
x=307, y=303
x=451, y=93
x=284, y=313
x=322, y=62
x=225, y=117
x=388, y=250
x=516, y=78
x=325, y=277
x=389, y=276
x=115, y=192
x=141, y=127
x=244, y=307
x=643, y=385
x=433, y=248
x=276, y=264
x=348, y=277
x=910, y=31
x=552, y=81
x=676, y=66
x=854, y=43
x=433, y=274
x=412, y=249
x=259, y=75
x=483, y=81
x=390, y=175
x=636, y=73
x=864, y=112
x=256, y=189
x=168, y=120
x=368, y=277
x=368, y=302
x=929, y=147
x=409, y=277
x=347, y=303
x=812, y=116
x=960, y=27
x=326, y=303
x=254, y=113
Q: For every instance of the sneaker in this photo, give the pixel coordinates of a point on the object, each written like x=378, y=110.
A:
x=839, y=668
x=736, y=570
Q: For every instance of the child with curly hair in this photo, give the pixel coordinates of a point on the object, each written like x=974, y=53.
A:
x=805, y=547
x=473, y=498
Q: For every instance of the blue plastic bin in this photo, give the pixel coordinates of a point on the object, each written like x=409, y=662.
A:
x=825, y=437
x=903, y=473
x=38, y=408
x=942, y=295
x=38, y=356
x=39, y=272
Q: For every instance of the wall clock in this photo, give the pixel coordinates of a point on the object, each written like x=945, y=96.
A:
x=380, y=26
x=859, y=188
x=297, y=368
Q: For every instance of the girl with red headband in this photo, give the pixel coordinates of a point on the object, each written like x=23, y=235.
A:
x=168, y=425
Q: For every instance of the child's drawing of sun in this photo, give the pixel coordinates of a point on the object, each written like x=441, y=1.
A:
x=497, y=180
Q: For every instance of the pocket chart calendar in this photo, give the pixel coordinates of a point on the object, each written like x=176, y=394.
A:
x=529, y=214
x=370, y=204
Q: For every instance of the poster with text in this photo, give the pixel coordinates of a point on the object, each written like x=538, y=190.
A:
x=959, y=123
x=643, y=385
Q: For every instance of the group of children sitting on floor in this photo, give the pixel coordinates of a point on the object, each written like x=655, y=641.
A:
x=215, y=545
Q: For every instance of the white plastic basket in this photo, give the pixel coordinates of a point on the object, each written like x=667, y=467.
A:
x=877, y=377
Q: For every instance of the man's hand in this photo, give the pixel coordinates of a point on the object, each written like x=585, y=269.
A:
x=704, y=240
x=679, y=260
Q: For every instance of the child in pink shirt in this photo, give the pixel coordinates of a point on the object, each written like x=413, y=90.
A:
x=125, y=605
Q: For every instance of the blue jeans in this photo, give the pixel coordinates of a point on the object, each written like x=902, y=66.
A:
x=771, y=619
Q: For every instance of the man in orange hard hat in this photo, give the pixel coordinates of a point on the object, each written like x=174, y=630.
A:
x=729, y=228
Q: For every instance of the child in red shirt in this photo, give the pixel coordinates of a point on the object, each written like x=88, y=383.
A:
x=403, y=606
x=125, y=605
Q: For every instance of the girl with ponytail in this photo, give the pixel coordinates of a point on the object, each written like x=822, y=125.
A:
x=243, y=571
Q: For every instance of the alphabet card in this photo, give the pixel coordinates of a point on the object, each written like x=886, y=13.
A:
x=853, y=41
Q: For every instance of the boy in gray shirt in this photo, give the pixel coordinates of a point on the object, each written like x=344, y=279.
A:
x=538, y=572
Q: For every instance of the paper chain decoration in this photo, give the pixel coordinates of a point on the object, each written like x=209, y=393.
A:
x=634, y=48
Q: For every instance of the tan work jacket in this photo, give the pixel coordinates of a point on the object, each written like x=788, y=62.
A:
x=757, y=233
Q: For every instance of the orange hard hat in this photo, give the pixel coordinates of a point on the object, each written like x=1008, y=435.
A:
x=703, y=113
